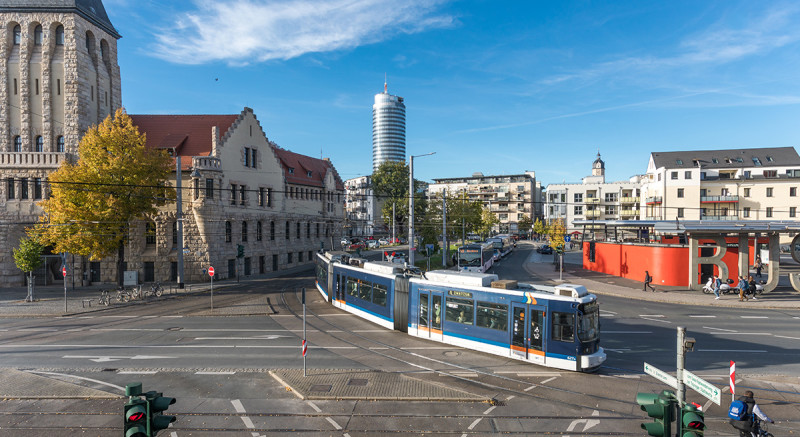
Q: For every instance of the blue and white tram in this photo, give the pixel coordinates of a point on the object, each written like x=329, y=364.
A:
x=477, y=257
x=551, y=326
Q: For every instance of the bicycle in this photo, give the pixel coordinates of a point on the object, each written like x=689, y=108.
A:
x=124, y=295
x=105, y=298
x=155, y=290
x=758, y=429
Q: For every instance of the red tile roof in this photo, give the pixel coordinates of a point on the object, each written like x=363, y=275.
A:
x=302, y=165
x=190, y=134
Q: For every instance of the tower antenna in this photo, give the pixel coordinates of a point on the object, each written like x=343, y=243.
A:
x=385, y=86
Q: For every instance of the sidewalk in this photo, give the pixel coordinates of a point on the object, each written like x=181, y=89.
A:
x=783, y=297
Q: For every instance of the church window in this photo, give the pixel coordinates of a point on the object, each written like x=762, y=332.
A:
x=17, y=143
x=17, y=35
x=60, y=144
x=60, y=35
x=37, y=35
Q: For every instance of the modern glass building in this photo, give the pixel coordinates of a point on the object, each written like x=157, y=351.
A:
x=388, y=129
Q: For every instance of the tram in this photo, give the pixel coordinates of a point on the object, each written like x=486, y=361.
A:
x=555, y=327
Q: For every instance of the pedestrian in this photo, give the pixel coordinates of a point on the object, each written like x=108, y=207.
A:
x=742, y=286
x=717, y=285
x=751, y=287
x=647, y=280
x=758, y=266
x=746, y=425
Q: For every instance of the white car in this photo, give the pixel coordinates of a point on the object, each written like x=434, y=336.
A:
x=383, y=242
x=372, y=244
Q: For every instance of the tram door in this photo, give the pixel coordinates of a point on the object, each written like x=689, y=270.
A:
x=340, y=284
x=431, y=314
x=528, y=332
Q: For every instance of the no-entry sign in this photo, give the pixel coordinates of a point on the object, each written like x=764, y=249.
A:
x=211, y=271
x=64, y=270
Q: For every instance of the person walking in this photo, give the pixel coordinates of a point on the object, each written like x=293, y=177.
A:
x=751, y=287
x=717, y=284
x=742, y=286
x=647, y=280
x=758, y=266
x=746, y=426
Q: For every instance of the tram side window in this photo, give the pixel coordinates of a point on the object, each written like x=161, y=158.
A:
x=562, y=328
x=379, y=294
x=492, y=316
x=352, y=287
x=365, y=290
x=459, y=311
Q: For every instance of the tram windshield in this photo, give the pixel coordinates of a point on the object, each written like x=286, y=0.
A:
x=589, y=322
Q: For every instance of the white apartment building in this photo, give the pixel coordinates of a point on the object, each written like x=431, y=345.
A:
x=731, y=184
x=594, y=199
x=360, y=212
x=509, y=197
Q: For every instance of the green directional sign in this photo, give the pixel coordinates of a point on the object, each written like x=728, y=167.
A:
x=661, y=375
x=702, y=386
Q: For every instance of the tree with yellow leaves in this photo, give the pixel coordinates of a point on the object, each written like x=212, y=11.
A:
x=115, y=181
x=557, y=231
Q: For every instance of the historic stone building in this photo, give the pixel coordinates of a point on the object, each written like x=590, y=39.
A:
x=58, y=60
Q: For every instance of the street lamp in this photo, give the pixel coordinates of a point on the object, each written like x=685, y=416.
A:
x=411, y=244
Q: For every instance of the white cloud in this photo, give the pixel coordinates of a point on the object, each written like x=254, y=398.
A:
x=247, y=31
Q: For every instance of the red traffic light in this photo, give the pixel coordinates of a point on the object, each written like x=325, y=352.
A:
x=136, y=416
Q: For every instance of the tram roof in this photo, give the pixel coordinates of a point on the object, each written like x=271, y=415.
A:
x=699, y=226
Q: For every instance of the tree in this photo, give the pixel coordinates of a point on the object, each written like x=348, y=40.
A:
x=390, y=186
x=557, y=232
x=29, y=258
x=116, y=180
x=524, y=225
x=540, y=228
x=488, y=221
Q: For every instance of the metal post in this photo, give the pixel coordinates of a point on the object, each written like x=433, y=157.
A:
x=411, y=211
x=561, y=266
x=178, y=217
x=212, y=294
x=680, y=363
x=394, y=224
x=65, y=286
x=304, y=331
x=444, y=230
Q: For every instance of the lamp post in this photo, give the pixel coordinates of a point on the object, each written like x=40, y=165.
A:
x=178, y=218
x=411, y=244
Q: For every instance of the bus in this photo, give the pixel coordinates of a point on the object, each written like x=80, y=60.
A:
x=477, y=257
x=502, y=244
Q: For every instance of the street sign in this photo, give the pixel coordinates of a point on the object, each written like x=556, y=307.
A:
x=567, y=238
x=64, y=270
x=733, y=378
x=701, y=386
x=211, y=271
x=662, y=376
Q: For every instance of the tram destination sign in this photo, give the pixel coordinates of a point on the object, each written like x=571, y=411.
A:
x=702, y=386
x=661, y=375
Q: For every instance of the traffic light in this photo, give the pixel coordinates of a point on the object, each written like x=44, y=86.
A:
x=156, y=404
x=691, y=421
x=659, y=407
x=135, y=412
x=239, y=251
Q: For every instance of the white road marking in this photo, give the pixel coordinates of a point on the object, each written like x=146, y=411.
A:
x=133, y=372
x=790, y=338
x=754, y=317
x=510, y=397
x=627, y=332
x=718, y=329
x=38, y=330
x=548, y=380
x=500, y=372
x=651, y=315
x=619, y=351
x=530, y=388
x=173, y=434
x=214, y=373
x=237, y=405
x=107, y=358
x=81, y=377
x=171, y=346
x=703, y=317
x=262, y=337
x=333, y=422
x=745, y=333
x=314, y=406
x=620, y=375
x=607, y=311
x=656, y=320
x=474, y=424
x=490, y=409
x=732, y=350
x=464, y=374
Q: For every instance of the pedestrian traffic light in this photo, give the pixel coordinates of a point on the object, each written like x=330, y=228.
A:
x=691, y=421
x=157, y=403
x=134, y=412
x=659, y=407
x=239, y=251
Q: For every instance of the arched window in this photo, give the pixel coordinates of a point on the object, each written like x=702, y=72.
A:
x=17, y=35
x=39, y=146
x=37, y=35
x=244, y=231
x=60, y=144
x=60, y=35
x=17, y=143
x=228, y=232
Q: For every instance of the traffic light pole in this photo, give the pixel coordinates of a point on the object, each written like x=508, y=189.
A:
x=681, y=362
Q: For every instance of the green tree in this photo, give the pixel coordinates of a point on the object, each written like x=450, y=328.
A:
x=524, y=225
x=540, y=228
x=488, y=221
x=29, y=258
x=390, y=186
x=115, y=181
x=557, y=232
x=463, y=215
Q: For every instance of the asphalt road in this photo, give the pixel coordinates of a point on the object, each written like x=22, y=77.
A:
x=216, y=365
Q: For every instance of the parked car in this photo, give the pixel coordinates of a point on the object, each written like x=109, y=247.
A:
x=545, y=250
x=345, y=242
x=355, y=246
x=383, y=241
x=372, y=244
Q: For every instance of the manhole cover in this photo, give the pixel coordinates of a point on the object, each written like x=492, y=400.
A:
x=321, y=388
x=452, y=353
x=357, y=382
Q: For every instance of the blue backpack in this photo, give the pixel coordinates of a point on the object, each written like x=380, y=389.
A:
x=737, y=410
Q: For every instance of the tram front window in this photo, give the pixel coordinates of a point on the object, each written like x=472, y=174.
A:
x=589, y=322
x=469, y=258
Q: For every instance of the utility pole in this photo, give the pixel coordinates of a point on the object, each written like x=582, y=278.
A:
x=411, y=244
x=394, y=224
x=444, y=229
x=178, y=216
x=681, y=362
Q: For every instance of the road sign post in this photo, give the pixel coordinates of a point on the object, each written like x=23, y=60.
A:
x=304, y=332
x=702, y=386
x=64, y=272
x=211, y=273
x=733, y=381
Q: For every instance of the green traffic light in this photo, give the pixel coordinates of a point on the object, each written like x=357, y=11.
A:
x=659, y=407
x=692, y=422
x=156, y=404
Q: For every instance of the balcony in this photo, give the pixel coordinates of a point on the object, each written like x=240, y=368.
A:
x=593, y=214
x=592, y=200
x=43, y=160
x=629, y=199
x=719, y=217
x=719, y=199
x=654, y=200
x=204, y=163
x=629, y=213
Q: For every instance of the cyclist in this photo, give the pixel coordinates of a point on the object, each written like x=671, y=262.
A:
x=747, y=427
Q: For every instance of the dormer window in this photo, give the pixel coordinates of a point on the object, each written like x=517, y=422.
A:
x=679, y=161
x=715, y=160
x=769, y=159
x=309, y=174
x=756, y=161
x=291, y=170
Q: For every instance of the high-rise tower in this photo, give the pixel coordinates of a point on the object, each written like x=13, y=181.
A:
x=388, y=129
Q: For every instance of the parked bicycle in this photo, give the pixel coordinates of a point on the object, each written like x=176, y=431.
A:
x=155, y=290
x=105, y=298
x=124, y=295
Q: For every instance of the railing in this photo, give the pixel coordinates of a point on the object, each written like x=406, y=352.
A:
x=592, y=214
x=719, y=217
x=591, y=200
x=32, y=159
x=719, y=199
x=652, y=200
x=628, y=213
x=206, y=163
x=629, y=199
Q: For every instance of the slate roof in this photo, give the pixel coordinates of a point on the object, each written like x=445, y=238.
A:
x=728, y=158
x=190, y=134
x=303, y=164
x=91, y=10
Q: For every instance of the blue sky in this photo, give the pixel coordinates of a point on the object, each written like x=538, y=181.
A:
x=493, y=86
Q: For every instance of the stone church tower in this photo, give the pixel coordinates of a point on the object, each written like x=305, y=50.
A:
x=58, y=64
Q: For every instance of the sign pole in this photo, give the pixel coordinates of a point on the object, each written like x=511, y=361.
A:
x=733, y=381
x=680, y=364
x=64, y=271
x=211, y=273
x=305, y=347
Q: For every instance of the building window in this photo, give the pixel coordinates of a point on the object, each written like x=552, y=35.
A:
x=36, y=83
x=298, y=230
x=261, y=196
x=242, y=191
x=12, y=192
x=792, y=211
x=611, y=197
x=259, y=231
x=228, y=232
x=58, y=87
x=578, y=210
x=769, y=212
x=308, y=230
x=673, y=175
x=288, y=230
x=175, y=234
x=291, y=170
x=196, y=188
x=209, y=188
x=23, y=188
x=244, y=231
x=770, y=173
x=150, y=233
x=272, y=230
x=37, y=188
x=680, y=192
x=16, y=91
x=17, y=35
x=269, y=197
x=253, y=158
x=60, y=144
x=17, y=143
x=37, y=35
x=262, y=264
x=233, y=194
x=299, y=257
x=769, y=191
x=680, y=212
x=746, y=212
x=289, y=258
x=687, y=174
x=39, y=146
x=60, y=35
x=746, y=192
x=792, y=191
x=317, y=230
x=247, y=157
